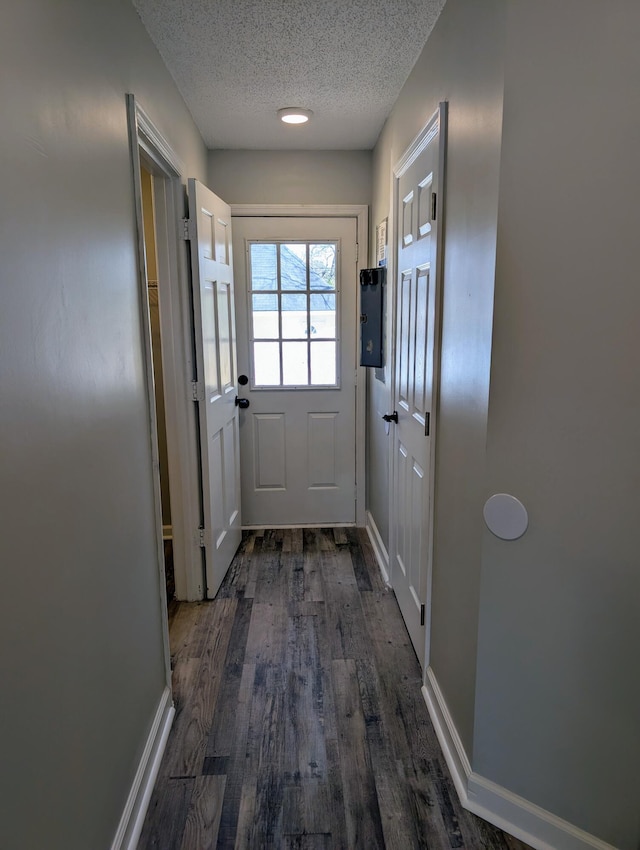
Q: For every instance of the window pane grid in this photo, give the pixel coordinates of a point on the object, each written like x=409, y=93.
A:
x=300, y=279
x=278, y=280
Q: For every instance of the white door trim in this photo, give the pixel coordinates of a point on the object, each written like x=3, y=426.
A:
x=361, y=213
x=168, y=174
x=436, y=123
x=302, y=210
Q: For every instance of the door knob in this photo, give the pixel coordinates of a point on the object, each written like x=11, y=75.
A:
x=390, y=417
x=242, y=403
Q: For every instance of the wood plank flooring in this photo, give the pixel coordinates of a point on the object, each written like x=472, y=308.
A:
x=300, y=723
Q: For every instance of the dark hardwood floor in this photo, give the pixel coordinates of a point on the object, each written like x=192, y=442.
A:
x=299, y=717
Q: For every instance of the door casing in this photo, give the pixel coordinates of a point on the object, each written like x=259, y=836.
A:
x=361, y=213
x=148, y=144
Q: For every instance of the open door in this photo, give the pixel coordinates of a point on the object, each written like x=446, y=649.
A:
x=215, y=387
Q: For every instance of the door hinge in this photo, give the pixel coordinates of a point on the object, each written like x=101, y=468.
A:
x=187, y=229
x=357, y=250
x=434, y=202
x=201, y=537
x=197, y=391
x=427, y=423
x=422, y=613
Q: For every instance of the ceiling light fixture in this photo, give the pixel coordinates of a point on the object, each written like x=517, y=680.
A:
x=294, y=115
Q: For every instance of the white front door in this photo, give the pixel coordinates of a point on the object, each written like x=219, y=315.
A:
x=416, y=336
x=215, y=348
x=296, y=310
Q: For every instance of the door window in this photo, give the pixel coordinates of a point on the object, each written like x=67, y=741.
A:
x=293, y=314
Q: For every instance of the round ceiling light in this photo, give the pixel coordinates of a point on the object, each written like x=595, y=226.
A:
x=294, y=115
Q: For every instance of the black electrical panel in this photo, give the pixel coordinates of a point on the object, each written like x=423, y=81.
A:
x=372, y=283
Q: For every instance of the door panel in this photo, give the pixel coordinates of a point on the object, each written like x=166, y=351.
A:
x=269, y=448
x=296, y=312
x=214, y=321
x=323, y=450
x=415, y=376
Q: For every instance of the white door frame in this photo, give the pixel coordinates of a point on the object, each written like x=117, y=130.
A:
x=361, y=213
x=410, y=154
x=168, y=173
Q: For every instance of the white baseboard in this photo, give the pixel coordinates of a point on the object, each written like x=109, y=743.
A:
x=280, y=526
x=380, y=550
x=528, y=822
x=513, y=814
x=448, y=738
x=137, y=803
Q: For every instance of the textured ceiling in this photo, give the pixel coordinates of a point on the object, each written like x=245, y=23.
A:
x=237, y=61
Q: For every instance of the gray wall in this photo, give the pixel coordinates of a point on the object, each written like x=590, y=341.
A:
x=550, y=708
x=558, y=702
x=82, y=660
x=461, y=63
x=291, y=177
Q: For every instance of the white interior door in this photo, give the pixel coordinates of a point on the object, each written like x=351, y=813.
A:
x=296, y=307
x=416, y=340
x=215, y=344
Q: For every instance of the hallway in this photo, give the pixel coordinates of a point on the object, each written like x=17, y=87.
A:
x=300, y=722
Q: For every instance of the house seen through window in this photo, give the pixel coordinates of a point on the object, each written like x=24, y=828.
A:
x=293, y=313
